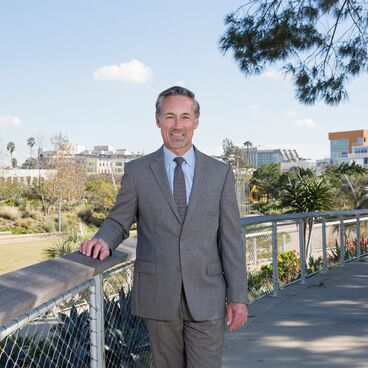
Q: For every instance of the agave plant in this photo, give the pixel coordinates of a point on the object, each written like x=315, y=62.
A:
x=126, y=337
x=67, y=344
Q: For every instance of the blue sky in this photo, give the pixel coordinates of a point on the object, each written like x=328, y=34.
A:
x=92, y=70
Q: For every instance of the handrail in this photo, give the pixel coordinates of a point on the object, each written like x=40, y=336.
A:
x=29, y=287
x=252, y=220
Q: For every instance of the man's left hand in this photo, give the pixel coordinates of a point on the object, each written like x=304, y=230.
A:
x=236, y=315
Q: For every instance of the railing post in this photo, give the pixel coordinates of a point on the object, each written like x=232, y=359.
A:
x=274, y=260
x=302, y=252
x=283, y=242
x=255, y=255
x=97, y=324
x=324, y=246
x=358, y=248
x=342, y=242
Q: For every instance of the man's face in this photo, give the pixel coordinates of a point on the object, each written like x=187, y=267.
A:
x=177, y=121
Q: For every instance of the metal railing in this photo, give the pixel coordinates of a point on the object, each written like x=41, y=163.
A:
x=87, y=325
x=75, y=311
x=282, y=249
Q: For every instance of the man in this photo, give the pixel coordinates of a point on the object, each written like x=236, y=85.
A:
x=190, y=262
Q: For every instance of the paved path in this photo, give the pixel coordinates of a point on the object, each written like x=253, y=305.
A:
x=321, y=324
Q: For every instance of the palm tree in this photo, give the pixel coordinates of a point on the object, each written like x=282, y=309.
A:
x=248, y=144
x=30, y=143
x=11, y=148
x=309, y=194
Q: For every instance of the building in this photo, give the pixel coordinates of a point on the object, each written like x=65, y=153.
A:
x=259, y=157
x=106, y=160
x=342, y=144
x=349, y=146
x=100, y=160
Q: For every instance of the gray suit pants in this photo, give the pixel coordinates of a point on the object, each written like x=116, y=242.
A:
x=185, y=343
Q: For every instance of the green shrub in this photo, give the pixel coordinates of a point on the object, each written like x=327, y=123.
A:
x=48, y=225
x=86, y=214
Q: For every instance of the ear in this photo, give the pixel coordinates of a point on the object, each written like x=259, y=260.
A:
x=158, y=121
x=196, y=124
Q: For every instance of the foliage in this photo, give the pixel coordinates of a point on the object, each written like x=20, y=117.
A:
x=99, y=193
x=67, y=345
x=266, y=179
x=288, y=270
x=18, y=351
x=126, y=337
x=29, y=163
x=233, y=155
x=67, y=244
x=321, y=43
x=30, y=143
x=14, y=162
x=68, y=181
x=10, y=213
x=350, y=249
x=315, y=264
x=307, y=195
x=11, y=148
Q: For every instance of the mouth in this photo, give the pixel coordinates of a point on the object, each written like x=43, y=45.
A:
x=177, y=135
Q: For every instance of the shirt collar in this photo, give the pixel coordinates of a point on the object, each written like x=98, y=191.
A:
x=189, y=156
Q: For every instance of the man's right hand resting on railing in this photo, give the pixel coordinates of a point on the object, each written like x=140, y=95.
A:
x=95, y=248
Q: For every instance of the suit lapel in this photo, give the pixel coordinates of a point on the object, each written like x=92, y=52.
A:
x=159, y=171
x=199, y=183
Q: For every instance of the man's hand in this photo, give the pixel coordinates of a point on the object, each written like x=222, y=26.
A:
x=95, y=248
x=236, y=315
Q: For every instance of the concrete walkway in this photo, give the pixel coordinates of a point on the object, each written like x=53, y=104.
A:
x=321, y=324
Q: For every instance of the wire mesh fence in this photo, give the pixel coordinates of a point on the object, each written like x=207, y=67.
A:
x=53, y=335
x=126, y=337
x=91, y=324
x=282, y=249
x=58, y=334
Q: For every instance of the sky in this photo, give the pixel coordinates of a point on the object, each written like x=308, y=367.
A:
x=92, y=71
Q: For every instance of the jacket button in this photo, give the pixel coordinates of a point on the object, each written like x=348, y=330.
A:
x=178, y=269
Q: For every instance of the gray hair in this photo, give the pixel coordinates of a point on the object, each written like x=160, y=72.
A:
x=177, y=91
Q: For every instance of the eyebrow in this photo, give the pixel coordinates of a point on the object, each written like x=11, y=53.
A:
x=173, y=114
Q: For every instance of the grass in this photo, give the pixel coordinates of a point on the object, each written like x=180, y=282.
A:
x=21, y=254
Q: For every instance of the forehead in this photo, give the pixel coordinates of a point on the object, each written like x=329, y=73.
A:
x=177, y=104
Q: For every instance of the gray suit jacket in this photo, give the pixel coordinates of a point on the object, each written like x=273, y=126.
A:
x=205, y=254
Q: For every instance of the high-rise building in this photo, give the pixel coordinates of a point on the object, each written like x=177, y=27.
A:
x=344, y=145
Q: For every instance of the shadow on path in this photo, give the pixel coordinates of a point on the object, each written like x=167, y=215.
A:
x=321, y=324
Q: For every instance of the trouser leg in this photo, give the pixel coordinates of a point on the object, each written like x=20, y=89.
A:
x=203, y=341
x=167, y=342
x=185, y=343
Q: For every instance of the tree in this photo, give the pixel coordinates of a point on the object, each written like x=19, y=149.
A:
x=11, y=148
x=100, y=193
x=67, y=183
x=233, y=155
x=30, y=143
x=14, y=162
x=29, y=163
x=266, y=179
x=321, y=43
x=309, y=194
x=349, y=182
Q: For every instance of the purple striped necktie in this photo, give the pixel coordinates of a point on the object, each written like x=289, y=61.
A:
x=179, y=191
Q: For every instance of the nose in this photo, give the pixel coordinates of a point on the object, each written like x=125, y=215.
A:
x=178, y=124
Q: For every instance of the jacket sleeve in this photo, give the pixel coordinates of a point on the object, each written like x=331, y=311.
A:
x=116, y=226
x=232, y=249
